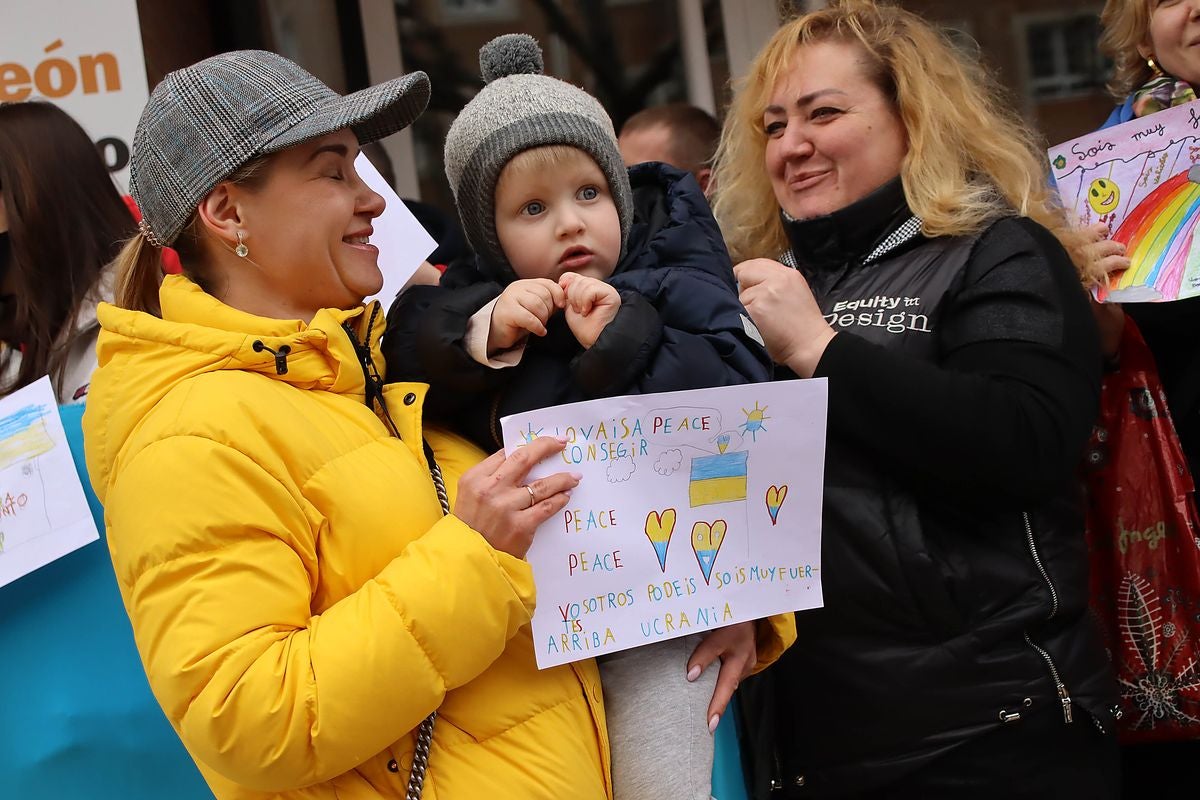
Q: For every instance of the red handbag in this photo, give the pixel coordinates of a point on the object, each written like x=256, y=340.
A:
x=1142, y=532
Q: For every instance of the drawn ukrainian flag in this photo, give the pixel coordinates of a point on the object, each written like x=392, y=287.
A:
x=23, y=436
x=718, y=479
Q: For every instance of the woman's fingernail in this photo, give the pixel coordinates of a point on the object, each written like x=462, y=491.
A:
x=694, y=673
x=712, y=723
x=578, y=476
x=561, y=439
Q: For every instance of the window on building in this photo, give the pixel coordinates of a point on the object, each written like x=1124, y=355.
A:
x=476, y=11
x=1063, y=57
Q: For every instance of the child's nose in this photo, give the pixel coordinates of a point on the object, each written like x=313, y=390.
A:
x=570, y=222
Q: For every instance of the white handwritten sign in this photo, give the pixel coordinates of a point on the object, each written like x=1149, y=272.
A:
x=84, y=56
x=697, y=510
x=402, y=241
x=1142, y=180
x=43, y=512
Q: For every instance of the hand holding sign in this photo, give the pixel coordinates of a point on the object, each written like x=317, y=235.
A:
x=696, y=464
x=494, y=499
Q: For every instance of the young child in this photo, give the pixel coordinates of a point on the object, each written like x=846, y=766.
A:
x=589, y=281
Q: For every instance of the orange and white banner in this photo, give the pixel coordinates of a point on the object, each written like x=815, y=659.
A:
x=84, y=55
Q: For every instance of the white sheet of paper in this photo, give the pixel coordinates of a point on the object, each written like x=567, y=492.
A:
x=697, y=510
x=402, y=241
x=43, y=511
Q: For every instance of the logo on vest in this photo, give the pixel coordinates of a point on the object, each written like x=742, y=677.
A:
x=892, y=314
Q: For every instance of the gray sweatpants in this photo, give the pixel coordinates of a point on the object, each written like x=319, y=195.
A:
x=661, y=747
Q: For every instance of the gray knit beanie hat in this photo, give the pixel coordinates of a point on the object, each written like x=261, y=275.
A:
x=520, y=109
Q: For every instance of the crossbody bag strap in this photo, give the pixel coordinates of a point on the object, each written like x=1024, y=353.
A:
x=416, y=779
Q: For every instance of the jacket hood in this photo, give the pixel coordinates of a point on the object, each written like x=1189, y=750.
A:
x=673, y=225
x=142, y=357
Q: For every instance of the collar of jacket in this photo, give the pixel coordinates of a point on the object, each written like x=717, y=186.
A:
x=852, y=234
x=209, y=335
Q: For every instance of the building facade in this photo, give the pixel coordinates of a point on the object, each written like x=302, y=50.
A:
x=629, y=53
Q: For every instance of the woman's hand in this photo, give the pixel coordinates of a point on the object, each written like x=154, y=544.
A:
x=737, y=648
x=787, y=315
x=591, y=305
x=524, y=307
x=494, y=499
x=1108, y=258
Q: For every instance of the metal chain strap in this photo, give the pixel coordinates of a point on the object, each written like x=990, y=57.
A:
x=439, y=483
x=416, y=779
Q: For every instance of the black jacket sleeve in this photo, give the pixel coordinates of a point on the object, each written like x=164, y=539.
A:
x=623, y=350
x=1003, y=417
x=423, y=342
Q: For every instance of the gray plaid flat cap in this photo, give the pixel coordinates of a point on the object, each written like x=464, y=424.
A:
x=205, y=121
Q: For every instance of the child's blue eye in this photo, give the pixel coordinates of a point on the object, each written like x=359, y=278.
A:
x=589, y=193
x=534, y=208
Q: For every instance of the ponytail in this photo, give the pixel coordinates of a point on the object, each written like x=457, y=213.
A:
x=138, y=266
x=139, y=271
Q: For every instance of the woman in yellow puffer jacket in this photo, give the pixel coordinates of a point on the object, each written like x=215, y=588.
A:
x=301, y=596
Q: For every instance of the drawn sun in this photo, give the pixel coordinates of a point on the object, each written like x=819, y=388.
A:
x=754, y=421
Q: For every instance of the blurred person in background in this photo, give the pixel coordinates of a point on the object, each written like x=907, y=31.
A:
x=78, y=717
x=679, y=134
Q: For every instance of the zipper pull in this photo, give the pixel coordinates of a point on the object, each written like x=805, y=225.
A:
x=1065, y=699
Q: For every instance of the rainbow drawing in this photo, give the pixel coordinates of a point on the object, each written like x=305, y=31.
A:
x=1158, y=235
x=718, y=479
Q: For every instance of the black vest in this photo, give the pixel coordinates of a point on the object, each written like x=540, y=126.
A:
x=919, y=645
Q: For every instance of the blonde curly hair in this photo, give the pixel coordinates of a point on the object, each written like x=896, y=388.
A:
x=971, y=159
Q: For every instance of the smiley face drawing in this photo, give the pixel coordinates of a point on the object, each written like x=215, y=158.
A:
x=1103, y=196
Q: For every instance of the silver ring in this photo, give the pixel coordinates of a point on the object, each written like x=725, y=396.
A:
x=532, y=496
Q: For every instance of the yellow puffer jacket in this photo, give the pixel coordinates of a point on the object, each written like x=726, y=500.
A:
x=299, y=602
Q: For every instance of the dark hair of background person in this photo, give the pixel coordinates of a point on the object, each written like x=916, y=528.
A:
x=694, y=132
x=66, y=221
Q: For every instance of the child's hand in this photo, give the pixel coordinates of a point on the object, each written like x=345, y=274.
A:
x=591, y=304
x=524, y=307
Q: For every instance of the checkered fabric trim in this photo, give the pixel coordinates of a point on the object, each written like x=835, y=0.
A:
x=908, y=231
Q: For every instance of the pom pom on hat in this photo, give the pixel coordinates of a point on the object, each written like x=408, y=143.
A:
x=510, y=54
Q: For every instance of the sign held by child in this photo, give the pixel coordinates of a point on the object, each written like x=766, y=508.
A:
x=697, y=510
